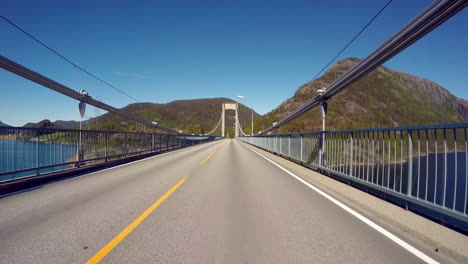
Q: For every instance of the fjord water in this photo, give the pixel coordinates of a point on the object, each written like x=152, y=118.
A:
x=18, y=155
x=437, y=178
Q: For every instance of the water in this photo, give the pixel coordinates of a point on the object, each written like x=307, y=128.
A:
x=434, y=178
x=17, y=155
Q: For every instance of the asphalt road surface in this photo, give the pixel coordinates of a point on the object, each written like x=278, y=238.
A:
x=218, y=202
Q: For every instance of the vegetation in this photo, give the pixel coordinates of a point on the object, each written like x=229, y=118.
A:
x=384, y=98
x=197, y=116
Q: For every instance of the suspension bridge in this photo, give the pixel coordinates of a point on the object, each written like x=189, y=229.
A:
x=387, y=195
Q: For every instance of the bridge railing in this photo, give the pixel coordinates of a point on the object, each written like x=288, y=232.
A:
x=425, y=166
x=30, y=151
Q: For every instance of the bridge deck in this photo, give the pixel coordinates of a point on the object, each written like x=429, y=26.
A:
x=232, y=206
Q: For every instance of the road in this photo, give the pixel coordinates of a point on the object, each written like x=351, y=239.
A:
x=218, y=202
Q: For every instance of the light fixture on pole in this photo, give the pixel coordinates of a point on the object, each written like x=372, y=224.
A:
x=252, y=127
x=82, y=109
x=323, y=114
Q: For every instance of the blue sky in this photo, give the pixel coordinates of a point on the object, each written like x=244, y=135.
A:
x=159, y=51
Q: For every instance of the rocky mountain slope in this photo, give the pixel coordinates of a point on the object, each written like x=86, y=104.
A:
x=384, y=98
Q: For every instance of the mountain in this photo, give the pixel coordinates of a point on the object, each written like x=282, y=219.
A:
x=67, y=124
x=45, y=124
x=198, y=116
x=59, y=124
x=28, y=125
x=3, y=124
x=384, y=98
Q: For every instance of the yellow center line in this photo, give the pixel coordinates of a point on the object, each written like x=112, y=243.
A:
x=111, y=245
x=211, y=155
x=207, y=158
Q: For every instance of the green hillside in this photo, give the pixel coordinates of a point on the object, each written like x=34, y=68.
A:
x=198, y=116
x=384, y=98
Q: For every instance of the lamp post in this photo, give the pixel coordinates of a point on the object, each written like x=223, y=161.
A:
x=252, y=127
x=82, y=110
x=323, y=114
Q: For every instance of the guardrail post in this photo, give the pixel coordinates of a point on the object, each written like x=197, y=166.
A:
x=410, y=163
x=280, y=145
x=106, y=142
x=125, y=144
x=324, y=151
x=289, y=145
x=37, y=153
x=445, y=168
x=302, y=147
x=320, y=150
x=351, y=154
x=274, y=145
x=152, y=142
x=160, y=142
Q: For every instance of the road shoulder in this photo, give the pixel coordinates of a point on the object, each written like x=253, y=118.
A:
x=415, y=229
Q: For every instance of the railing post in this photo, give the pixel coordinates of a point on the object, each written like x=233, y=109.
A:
x=160, y=142
x=302, y=146
x=125, y=144
x=320, y=150
x=274, y=145
x=280, y=145
x=351, y=154
x=152, y=142
x=455, y=171
x=37, y=152
x=106, y=142
x=410, y=163
x=445, y=168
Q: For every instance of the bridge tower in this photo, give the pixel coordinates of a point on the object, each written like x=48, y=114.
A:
x=229, y=106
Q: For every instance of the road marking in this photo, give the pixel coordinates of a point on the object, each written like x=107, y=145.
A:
x=125, y=164
x=111, y=245
x=207, y=158
x=364, y=219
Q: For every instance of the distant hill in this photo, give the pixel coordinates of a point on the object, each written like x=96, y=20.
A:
x=198, y=116
x=67, y=124
x=45, y=124
x=384, y=98
x=28, y=125
x=3, y=124
x=58, y=124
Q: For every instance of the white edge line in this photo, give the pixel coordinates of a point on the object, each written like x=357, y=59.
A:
x=364, y=219
x=121, y=165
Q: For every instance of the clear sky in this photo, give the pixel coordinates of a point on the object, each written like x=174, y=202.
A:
x=159, y=51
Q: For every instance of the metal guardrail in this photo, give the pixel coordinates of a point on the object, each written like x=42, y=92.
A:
x=29, y=151
x=424, y=165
